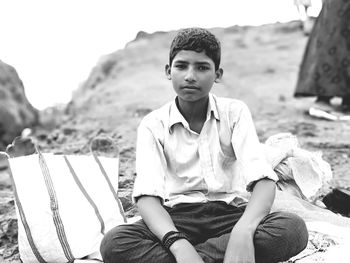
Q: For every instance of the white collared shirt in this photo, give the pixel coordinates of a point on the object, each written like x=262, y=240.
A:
x=181, y=166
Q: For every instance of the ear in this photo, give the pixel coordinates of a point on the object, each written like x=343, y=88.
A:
x=168, y=71
x=218, y=75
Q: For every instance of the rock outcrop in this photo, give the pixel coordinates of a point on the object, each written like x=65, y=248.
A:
x=16, y=113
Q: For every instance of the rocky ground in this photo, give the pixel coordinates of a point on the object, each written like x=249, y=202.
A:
x=261, y=66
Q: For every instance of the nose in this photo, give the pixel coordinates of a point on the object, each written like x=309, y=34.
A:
x=190, y=75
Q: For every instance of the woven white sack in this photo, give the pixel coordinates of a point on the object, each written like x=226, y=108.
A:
x=65, y=205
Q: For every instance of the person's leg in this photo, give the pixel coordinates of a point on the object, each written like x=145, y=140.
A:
x=323, y=99
x=278, y=237
x=204, y=221
x=345, y=104
x=324, y=103
x=136, y=243
x=201, y=221
x=133, y=243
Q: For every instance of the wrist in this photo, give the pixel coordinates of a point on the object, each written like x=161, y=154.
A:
x=172, y=237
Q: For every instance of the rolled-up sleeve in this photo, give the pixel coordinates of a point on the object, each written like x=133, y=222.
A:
x=150, y=165
x=249, y=152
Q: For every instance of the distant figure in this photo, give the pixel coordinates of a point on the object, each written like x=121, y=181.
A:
x=325, y=69
x=307, y=22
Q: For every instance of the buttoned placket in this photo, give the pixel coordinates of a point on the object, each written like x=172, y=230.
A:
x=206, y=162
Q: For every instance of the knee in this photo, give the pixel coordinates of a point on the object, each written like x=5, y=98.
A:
x=294, y=231
x=281, y=236
x=111, y=247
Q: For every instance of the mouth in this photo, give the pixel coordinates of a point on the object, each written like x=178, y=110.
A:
x=189, y=87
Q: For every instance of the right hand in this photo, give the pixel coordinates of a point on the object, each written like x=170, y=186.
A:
x=184, y=252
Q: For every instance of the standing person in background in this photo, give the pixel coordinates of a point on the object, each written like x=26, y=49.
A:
x=303, y=7
x=325, y=69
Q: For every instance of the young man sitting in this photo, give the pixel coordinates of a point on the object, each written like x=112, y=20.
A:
x=197, y=158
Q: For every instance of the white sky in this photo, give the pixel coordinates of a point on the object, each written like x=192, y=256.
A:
x=53, y=44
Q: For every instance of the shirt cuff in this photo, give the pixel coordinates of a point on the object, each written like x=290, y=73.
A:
x=268, y=174
x=251, y=185
x=136, y=195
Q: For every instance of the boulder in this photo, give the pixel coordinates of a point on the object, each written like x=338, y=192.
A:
x=16, y=113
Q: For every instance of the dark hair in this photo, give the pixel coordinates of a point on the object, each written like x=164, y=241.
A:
x=196, y=39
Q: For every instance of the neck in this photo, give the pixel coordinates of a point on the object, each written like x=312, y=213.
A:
x=193, y=110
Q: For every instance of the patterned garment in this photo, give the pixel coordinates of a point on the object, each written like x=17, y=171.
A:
x=325, y=69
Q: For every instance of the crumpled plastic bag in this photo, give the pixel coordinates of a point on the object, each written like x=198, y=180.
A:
x=304, y=170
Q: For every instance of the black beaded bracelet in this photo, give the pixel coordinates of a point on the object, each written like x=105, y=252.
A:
x=170, y=237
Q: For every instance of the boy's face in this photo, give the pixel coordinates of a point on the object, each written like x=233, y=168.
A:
x=192, y=74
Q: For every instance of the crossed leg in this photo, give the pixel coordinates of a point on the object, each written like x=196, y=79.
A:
x=279, y=236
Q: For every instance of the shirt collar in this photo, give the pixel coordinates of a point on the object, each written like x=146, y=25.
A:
x=176, y=117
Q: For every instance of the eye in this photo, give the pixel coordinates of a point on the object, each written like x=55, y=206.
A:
x=203, y=68
x=180, y=66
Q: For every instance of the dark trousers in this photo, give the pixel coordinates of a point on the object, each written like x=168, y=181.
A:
x=278, y=237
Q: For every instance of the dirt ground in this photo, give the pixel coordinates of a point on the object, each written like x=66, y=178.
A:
x=260, y=67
